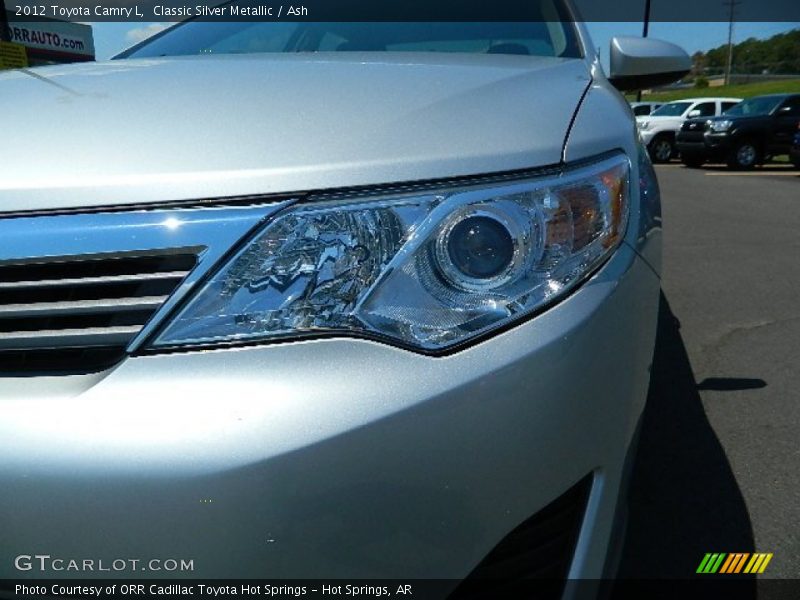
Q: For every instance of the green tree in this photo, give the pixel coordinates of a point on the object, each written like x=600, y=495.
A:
x=779, y=54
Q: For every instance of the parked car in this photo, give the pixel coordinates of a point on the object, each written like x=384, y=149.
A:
x=658, y=130
x=642, y=109
x=794, y=152
x=340, y=307
x=746, y=135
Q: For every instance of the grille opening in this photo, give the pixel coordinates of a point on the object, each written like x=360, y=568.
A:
x=541, y=548
x=78, y=314
x=66, y=268
x=86, y=321
x=88, y=290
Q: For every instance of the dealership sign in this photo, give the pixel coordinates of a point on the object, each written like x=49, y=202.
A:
x=12, y=56
x=52, y=40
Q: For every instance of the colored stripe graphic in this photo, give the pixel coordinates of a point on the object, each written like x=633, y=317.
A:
x=711, y=563
x=730, y=564
x=733, y=560
x=703, y=563
x=739, y=563
x=716, y=565
x=764, y=564
x=715, y=562
x=727, y=564
x=756, y=558
x=758, y=564
x=749, y=566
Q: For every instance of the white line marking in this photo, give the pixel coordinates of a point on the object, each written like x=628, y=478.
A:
x=756, y=173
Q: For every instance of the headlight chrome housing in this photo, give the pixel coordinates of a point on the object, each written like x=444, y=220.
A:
x=428, y=271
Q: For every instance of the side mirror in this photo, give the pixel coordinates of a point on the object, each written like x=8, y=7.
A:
x=693, y=113
x=638, y=63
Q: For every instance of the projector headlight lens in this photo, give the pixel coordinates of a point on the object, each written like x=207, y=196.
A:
x=483, y=246
x=427, y=270
x=480, y=247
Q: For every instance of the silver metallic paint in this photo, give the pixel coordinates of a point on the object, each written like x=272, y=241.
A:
x=637, y=56
x=259, y=124
x=604, y=121
x=327, y=458
x=290, y=449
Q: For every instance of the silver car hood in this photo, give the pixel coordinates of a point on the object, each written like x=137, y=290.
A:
x=165, y=129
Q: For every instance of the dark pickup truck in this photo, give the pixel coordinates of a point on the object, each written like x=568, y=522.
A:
x=794, y=153
x=745, y=135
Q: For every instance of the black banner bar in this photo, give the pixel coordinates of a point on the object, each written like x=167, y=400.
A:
x=732, y=587
x=401, y=10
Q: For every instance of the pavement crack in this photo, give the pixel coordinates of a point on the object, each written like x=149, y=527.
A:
x=712, y=348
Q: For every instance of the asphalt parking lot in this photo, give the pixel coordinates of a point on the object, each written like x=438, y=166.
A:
x=719, y=463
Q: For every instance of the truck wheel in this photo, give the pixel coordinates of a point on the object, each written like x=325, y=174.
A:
x=745, y=155
x=661, y=149
x=693, y=161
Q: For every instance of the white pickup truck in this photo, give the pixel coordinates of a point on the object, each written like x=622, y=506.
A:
x=659, y=128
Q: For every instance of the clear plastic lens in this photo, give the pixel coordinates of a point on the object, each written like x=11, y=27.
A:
x=428, y=271
x=479, y=247
x=720, y=126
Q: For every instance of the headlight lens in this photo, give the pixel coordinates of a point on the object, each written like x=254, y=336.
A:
x=643, y=124
x=429, y=270
x=720, y=126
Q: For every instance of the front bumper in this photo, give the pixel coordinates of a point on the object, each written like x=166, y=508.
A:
x=709, y=145
x=332, y=458
x=647, y=136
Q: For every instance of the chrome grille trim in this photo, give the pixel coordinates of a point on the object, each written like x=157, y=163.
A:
x=80, y=307
x=68, y=338
x=12, y=285
x=80, y=291
x=73, y=312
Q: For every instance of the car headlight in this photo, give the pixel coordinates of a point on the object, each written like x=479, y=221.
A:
x=428, y=270
x=644, y=125
x=720, y=126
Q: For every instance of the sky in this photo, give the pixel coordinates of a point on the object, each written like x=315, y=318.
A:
x=110, y=38
x=690, y=36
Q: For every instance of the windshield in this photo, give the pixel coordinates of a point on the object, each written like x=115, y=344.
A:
x=195, y=37
x=673, y=109
x=763, y=105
